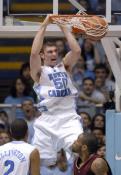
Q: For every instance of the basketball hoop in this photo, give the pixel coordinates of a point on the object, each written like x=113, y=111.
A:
x=90, y=26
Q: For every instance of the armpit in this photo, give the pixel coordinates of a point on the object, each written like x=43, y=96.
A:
x=67, y=67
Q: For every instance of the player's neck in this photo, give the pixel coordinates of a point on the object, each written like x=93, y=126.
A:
x=84, y=156
x=21, y=140
x=49, y=65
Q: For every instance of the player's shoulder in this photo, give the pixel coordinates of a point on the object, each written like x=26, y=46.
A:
x=35, y=155
x=28, y=145
x=98, y=160
x=6, y=145
x=99, y=164
x=61, y=64
x=28, y=148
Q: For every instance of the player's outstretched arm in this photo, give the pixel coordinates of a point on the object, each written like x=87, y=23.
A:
x=35, y=58
x=99, y=167
x=71, y=57
x=35, y=163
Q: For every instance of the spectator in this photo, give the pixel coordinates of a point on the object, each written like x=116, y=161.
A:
x=79, y=72
x=99, y=121
x=25, y=74
x=4, y=117
x=101, y=71
x=101, y=150
x=86, y=120
x=60, y=44
x=90, y=54
x=4, y=137
x=100, y=87
x=99, y=134
x=18, y=94
x=89, y=95
x=30, y=116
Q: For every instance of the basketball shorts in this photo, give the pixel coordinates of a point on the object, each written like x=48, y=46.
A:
x=52, y=133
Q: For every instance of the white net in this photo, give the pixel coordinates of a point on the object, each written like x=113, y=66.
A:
x=91, y=26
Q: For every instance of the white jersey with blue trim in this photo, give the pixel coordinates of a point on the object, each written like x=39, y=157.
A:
x=55, y=90
x=14, y=158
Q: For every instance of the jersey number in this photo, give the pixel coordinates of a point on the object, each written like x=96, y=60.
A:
x=60, y=83
x=9, y=163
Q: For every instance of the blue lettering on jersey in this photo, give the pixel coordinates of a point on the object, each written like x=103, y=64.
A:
x=37, y=89
x=15, y=153
x=60, y=82
x=10, y=165
x=41, y=108
x=59, y=93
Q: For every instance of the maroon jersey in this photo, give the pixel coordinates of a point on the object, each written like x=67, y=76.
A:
x=85, y=169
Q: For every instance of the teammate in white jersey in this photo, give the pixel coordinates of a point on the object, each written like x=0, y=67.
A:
x=18, y=157
x=59, y=125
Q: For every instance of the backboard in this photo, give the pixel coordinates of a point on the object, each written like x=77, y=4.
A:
x=44, y=7
x=23, y=17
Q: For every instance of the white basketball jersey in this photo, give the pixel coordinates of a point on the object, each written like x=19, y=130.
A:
x=55, y=90
x=14, y=158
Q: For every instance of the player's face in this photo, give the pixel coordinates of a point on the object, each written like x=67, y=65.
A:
x=77, y=145
x=50, y=55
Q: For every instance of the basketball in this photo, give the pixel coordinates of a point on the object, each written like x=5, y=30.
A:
x=93, y=27
x=76, y=30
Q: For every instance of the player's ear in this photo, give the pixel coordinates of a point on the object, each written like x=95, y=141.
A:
x=42, y=55
x=84, y=147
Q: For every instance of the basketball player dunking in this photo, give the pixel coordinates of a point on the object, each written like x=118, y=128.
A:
x=59, y=125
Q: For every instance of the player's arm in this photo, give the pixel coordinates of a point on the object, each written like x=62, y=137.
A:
x=99, y=167
x=35, y=58
x=72, y=56
x=35, y=163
